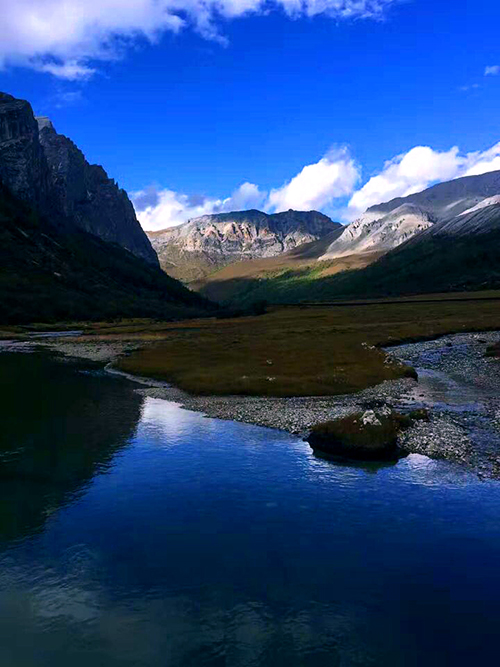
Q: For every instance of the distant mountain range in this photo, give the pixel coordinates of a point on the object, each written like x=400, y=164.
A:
x=200, y=246
x=387, y=226
x=444, y=238
x=70, y=244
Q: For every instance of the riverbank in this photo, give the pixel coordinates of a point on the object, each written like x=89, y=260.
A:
x=457, y=383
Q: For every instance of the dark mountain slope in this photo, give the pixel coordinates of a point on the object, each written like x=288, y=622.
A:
x=52, y=274
x=88, y=198
x=48, y=171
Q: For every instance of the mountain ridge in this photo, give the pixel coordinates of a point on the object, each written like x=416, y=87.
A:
x=71, y=247
x=205, y=244
x=452, y=252
x=385, y=226
x=49, y=172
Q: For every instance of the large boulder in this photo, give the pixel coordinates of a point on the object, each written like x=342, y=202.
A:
x=364, y=436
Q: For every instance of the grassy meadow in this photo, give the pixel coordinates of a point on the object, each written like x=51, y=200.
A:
x=296, y=351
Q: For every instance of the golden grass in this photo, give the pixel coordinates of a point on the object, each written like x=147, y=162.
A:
x=295, y=351
x=221, y=285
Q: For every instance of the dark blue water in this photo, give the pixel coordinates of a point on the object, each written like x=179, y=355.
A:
x=133, y=532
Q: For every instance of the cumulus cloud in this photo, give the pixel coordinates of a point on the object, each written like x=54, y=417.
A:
x=324, y=185
x=161, y=208
x=483, y=162
x=318, y=184
x=62, y=37
x=416, y=170
x=492, y=70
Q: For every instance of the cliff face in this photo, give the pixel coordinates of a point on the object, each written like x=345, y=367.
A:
x=90, y=199
x=23, y=166
x=47, y=171
x=195, y=249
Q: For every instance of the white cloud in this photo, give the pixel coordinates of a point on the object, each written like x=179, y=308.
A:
x=416, y=170
x=483, y=162
x=62, y=36
x=473, y=86
x=323, y=185
x=159, y=209
x=492, y=70
x=318, y=184
x=70, y=70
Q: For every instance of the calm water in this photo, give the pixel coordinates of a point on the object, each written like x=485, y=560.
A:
x=133, y=532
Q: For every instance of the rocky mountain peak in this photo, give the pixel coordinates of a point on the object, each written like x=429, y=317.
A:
x=48, y=171
x=202, y=245
x=386, y=226
x=44, y=123
x=23, y=166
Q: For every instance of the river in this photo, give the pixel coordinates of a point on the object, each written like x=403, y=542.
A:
x=137, y=533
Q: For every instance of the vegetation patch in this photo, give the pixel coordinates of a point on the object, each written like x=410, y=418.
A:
x=364, y=436
x=297, y=351
x=51, y=274
x=493, y=351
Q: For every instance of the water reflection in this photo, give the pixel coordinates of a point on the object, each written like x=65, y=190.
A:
x=225, y=545
x=59, y=427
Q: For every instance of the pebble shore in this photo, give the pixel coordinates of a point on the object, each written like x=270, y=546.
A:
x=459, y=386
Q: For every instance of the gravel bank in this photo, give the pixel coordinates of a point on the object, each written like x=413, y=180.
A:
x=457, y=383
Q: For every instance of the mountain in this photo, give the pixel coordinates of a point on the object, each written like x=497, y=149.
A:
x=200, y=246
x=229, y=282
x=70, y=245
x=88, y=198
x=458, y=254
x=50, y=274
x=458, y=250
x=386, y=226
x=369, y=234
x=46, y=170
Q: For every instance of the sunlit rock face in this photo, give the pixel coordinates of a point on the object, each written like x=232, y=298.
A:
x=202, y=245
x=47, y=171
x=387, y=226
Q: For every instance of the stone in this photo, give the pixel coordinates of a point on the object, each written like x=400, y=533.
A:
x=370, y=418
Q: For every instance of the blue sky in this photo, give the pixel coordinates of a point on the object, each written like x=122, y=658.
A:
x=190, y=113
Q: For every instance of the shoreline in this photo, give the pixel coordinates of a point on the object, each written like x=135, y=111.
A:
x=468, y=433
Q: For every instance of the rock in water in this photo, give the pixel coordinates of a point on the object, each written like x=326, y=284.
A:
x=364, y=436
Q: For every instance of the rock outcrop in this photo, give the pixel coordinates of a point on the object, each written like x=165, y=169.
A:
x=47, y=171
x=23, y=165
x=200, y=246
x=387, y=226
x=88, y=198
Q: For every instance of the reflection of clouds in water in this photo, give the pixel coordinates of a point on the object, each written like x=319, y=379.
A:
x=195, y=627
x=168, y=424
x=414, y=469
x=420, y=470
x=165, y=424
